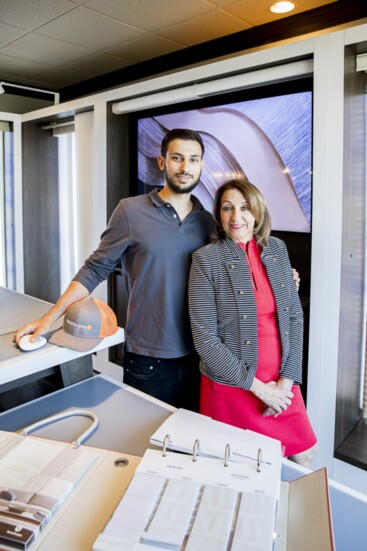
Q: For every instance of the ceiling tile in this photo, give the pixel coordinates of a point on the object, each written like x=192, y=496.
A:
x=151, y=14
x=80, y=39
x=19, y=69
x=90, y=29
x=44, y=84
x=11, y=103
x=225, y=3
x=60, y=77
x=45, y=50
x=9, y=33
x=99, y=64
x=146, y=47
x=255, y=14
x=203, y=28
x=29, y=14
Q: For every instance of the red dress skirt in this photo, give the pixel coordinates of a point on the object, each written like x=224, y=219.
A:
x=242, y=408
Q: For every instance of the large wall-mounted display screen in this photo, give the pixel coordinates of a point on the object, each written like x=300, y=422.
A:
x=264, y=134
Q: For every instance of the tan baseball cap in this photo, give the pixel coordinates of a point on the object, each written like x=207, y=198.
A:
x=86, y=324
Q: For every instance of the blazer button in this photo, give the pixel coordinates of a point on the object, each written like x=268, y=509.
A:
x=282, y=285
x=286, y=309
x=241, y=292
x=243, y=317
x=231, y=266
x=247, y=342
x=286, y=333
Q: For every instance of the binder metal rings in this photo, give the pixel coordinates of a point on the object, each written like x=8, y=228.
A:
x=227, y=455
x=259, y=458
x=195, y=450
x=166, y=443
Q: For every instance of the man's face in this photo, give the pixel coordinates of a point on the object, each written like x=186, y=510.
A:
x=182, y=165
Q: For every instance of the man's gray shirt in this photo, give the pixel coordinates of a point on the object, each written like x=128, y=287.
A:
x=155, y=250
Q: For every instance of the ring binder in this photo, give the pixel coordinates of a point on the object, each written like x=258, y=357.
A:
x=195, y=450
x=166, y=443
x=187, y=502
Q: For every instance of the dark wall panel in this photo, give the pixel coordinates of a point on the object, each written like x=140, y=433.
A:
x=40, y=213
x=299, y=250
x=121, y=182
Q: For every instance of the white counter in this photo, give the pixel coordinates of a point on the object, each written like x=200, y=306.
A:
x=17, y=309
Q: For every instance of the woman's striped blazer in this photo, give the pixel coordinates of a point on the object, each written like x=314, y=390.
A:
x=223, y=312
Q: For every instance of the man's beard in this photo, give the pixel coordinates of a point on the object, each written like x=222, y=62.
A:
x=177, y=188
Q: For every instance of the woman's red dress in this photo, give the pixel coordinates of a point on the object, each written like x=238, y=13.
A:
x=242, y=408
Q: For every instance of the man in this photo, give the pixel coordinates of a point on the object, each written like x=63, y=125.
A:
x=154, y=236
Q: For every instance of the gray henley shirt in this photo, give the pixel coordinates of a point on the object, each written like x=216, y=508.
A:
x=155, y=250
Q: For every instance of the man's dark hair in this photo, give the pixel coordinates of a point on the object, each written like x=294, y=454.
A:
x=181, y=134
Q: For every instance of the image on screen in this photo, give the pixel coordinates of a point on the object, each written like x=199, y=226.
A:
x=268, y=140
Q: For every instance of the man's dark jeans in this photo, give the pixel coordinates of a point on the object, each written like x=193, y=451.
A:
x=175, y=381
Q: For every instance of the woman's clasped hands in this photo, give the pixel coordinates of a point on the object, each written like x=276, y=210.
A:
x=276, y=396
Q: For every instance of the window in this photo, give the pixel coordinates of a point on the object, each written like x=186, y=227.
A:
x=67, y=206
x=351, y=398
x=7, y=237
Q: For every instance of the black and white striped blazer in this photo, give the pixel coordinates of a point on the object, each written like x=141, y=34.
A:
x=223, y=312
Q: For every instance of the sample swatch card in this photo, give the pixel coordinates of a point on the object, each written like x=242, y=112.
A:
x=179, y=502
x=36, y=477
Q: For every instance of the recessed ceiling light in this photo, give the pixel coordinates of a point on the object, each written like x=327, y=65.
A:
x=282, y=7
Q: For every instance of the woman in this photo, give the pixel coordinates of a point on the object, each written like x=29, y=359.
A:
x=247, y=325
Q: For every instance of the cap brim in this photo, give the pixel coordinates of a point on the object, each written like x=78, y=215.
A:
x=80, y=344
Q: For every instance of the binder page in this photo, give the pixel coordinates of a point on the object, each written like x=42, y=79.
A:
x=208, y=470
x=184, y=427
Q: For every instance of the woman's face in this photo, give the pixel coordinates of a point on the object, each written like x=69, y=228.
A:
x=237, y=221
